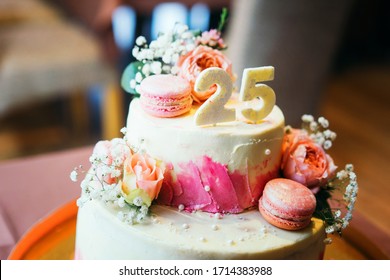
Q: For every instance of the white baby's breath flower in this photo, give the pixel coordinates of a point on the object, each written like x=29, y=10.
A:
x=123, y=130
x=116, y=173
x=140, y=217
x=146, y=69
x=329, y=229
x=121, y=202
x=135, y=52
x=190, y=47
x=167, y=58
x=140, y=41
x=313, y=125
x=175, y=57
x=148, y=54
x=327, y=133
x=155, y=67
x=74, y=176
x=342, y=174
x=323, y=122
x=187, y=35
x=327, y=144
x=133, y=83
x=138, y=77
x=307, y=118
x=181, y=28
x=137, y=201
x=349, y=167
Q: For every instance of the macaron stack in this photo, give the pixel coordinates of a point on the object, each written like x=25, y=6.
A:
x=287, y=204
x=165, y=96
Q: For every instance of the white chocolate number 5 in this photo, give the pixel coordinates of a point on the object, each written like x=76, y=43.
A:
x=213, y=110
x=251, y=89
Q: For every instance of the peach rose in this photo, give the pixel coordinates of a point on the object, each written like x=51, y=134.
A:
x=197, y=60
x=143, y=177
x=305, y=161
x=109, y=153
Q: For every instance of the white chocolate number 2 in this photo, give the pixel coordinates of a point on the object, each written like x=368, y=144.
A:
x=213, y=110
x=251, y=90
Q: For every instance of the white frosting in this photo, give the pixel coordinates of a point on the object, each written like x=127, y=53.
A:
x=170, y=234
x=236, y=144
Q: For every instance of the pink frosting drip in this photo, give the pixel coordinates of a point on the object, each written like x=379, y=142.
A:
x=229, y=192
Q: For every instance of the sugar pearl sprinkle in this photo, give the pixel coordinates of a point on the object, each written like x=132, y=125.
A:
x=181, y=207
x=185, y=226
x=207, y=188
x=218, y=216
x=215, y=227
x=230, y=242
x=267, y=152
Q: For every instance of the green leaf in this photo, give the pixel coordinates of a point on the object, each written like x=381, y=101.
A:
x=129, y=74
x=323, y=210
x=223, y=19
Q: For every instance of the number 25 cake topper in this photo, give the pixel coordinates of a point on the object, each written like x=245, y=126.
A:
x=256, y=99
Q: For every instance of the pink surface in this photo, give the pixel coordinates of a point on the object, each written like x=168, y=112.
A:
x=229, y=192
x=32, y=187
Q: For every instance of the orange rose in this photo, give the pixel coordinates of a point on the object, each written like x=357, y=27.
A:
x=143, y=177
x=197, y=60
x=305, y=161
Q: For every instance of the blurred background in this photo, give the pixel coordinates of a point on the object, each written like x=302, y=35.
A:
x=61, y=62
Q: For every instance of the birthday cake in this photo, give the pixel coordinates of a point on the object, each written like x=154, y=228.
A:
x=204, y=171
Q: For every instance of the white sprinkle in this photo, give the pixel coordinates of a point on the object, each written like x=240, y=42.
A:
x=267, y=152
x=207, y=188
x=230, y=242
x=202, y=239
x=218, y=216
x=181, y=207
x=185, y=226
x=215, y=227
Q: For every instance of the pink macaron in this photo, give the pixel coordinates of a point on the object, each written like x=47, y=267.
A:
x=165, y=96
x=287, y=204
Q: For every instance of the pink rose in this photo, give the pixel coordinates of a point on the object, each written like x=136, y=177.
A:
x=143, y=177
x=197, y=60
x=305, y=161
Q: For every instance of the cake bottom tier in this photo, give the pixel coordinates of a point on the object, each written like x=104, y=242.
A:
x=170, y=234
